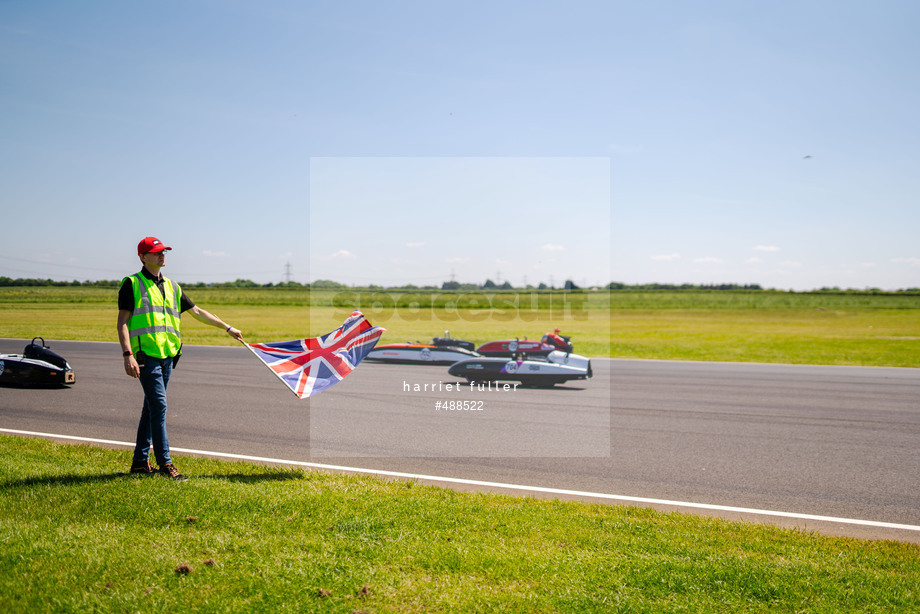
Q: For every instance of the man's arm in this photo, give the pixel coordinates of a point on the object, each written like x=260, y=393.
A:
x=124, y=339
x=212, y=320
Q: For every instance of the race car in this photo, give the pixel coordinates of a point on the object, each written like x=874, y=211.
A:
x=36, y=366
x=540, y=372
x=441, y=351
x=550, y=342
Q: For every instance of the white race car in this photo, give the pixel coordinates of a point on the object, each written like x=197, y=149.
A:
x=541, y=372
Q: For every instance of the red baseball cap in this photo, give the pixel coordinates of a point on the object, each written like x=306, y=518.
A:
x=150, y=245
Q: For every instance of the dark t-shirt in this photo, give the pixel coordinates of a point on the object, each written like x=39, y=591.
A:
x=126, y=293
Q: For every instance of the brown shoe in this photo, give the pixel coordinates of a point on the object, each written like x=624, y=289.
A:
x=144, y=468
x=170, y=471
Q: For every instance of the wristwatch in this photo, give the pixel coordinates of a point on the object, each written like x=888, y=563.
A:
x=126, y=354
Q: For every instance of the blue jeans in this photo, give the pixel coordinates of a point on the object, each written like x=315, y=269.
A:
x=152, y=427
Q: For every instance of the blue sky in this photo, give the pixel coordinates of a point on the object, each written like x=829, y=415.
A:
x=524, y=220
x=747, y=142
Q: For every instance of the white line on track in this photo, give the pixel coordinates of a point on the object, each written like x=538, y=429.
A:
x=518, y=487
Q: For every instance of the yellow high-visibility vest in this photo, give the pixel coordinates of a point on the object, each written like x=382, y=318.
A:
x=154, y=323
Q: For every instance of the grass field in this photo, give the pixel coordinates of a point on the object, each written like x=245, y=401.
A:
x=858, y=337
x=78, y=535
x=765, y=326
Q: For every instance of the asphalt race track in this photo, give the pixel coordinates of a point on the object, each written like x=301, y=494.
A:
x=840, y=442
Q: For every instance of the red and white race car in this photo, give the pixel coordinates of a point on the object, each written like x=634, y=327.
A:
x=550, y=342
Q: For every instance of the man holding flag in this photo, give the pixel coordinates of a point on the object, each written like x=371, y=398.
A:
x=149, y=309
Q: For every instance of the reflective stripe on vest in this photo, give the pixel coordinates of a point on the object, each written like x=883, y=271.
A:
x=154, y=323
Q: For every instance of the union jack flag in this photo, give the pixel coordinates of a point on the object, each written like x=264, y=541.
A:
x=309, y=366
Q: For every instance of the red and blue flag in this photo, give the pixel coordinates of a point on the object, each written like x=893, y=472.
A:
x=309, y=366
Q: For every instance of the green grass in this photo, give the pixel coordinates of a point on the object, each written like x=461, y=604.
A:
x=737, y=326
x=78, y=535
x=357, y=298
x=876, y=337
x=537, y=299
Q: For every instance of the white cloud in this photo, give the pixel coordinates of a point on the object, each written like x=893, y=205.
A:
x=790, y=263
x=868, y=265
x=766, y=248
x=754, y=260
x=457, y=260
x=709, y=259
x=908, y=261
x=666, y=257
x=211, y=254
x=549, y=247
x=342, y=254
x=418, y=244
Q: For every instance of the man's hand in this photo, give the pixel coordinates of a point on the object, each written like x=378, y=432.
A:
x=132, y=369
x=235, y=333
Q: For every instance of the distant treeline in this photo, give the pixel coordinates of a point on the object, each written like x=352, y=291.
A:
x=614, y=285
x=115, y=283
x=325, y=284
x=752, y=287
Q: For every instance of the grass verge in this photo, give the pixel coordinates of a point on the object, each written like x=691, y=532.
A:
x=864, y=337
x=78, y=535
